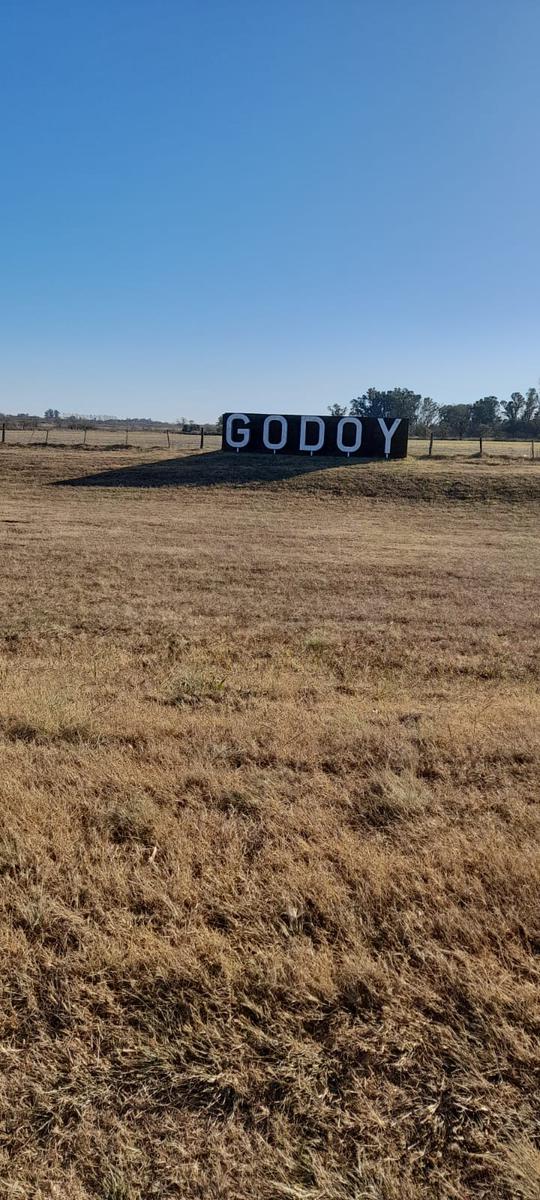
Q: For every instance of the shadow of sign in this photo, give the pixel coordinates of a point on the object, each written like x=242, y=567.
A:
x=214, y=469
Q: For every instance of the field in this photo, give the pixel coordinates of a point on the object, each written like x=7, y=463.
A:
x=269, y=828
x=159, y=439
x=107, y=439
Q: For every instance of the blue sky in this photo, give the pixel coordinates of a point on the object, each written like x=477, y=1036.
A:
x=234, y=204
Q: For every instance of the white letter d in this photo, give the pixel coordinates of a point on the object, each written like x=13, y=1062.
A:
x=311, y=446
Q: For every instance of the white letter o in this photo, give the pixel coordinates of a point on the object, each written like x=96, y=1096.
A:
x=358, y=440
x=266, y=429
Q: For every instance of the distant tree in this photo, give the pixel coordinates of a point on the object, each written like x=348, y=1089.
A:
x=485, y=414
x=532, y=406
x=522, y=414
x=427, y=417
x=371, y=404
x=337, y=410
x=219, y=425
x=52, y=414
x=513, y=410
x=455, y=419
x=398, y=402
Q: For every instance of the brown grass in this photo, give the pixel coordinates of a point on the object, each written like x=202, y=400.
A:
x=269, y=831
x=158, y=439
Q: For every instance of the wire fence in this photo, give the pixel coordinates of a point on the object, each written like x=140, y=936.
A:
x=479, y=447
x=111, y=438
x=174, y=439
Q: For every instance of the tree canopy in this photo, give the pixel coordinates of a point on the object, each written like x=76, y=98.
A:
x=519, y=416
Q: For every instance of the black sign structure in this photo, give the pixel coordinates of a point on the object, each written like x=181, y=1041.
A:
x=333, y=437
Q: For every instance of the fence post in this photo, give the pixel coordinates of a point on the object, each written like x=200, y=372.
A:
x=46, y=436
x=3, y=432
x=84, y=438
x=532, y=448
x=431, y=444
x=480, y=443
x=126, y=435
x=202, y=438
x=168, y=439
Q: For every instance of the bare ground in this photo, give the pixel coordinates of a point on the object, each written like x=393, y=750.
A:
x=269, y=829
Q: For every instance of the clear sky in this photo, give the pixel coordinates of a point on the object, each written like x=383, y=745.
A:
x=267, y=204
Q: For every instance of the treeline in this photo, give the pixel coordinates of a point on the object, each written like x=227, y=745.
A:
x=518, y=417
x=59, y=420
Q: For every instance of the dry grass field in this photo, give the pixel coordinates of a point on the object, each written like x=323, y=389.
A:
x=115, y=439
x=269, y=825
x=159, y=439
